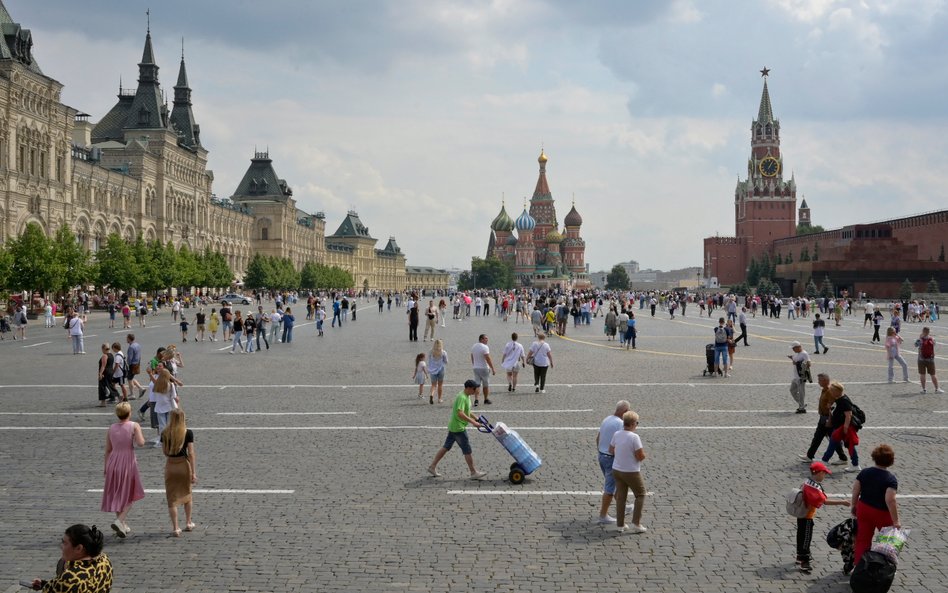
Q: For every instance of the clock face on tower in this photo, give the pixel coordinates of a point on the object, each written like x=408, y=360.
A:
x=769, y=167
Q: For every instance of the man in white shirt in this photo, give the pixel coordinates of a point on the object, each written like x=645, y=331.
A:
x=801, y=366
x=610, y=425
x=483, y=367
x=513, y=361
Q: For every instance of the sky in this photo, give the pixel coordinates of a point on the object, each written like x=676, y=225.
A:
x=422, y=115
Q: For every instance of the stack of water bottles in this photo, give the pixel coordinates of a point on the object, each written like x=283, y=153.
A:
x=526, y=457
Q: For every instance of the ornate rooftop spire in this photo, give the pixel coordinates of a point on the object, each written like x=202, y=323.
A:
x=766, y=113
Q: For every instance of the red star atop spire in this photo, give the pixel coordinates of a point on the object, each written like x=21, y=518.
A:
x=765, y=71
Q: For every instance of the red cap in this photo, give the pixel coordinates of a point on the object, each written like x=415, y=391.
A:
x=819, y=466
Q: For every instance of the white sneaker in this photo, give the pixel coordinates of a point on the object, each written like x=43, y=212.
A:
x=637, y=529
x=434, y=473
x=607, y=520
x=853, y=468
x=478, y=475
x=804, y=458
x=939, y=390
x=923, y=391
x=839, y=461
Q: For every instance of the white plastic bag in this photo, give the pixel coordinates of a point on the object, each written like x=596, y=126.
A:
x=890, y=541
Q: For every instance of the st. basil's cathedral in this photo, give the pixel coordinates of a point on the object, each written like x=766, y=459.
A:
x=540, y=255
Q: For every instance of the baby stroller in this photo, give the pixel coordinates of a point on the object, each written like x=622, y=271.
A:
x=709, y=357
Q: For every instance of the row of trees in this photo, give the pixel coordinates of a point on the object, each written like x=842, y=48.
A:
x=35, y=262
x=279, y=273
x=487, y=273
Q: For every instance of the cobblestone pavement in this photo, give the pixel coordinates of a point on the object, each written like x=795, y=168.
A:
x=333, y=425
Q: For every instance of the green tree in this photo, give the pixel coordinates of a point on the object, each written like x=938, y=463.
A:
x=826, y=289
x=941, y=254
x=259, y=273
x=906, y=290
x=811, y=290
x=115, y=264
x=71, y=260
x=805, y=254
x=741, y=289
x=491, y=273
x=789, y=259
x=6, y=262
x=465, y=280
x=779, y=260
x=933, y=287
x=816, y=252
x=32, y=267
x=187, y=273
x=753, y=273
x=766, y=268
x=804, y=229
x=617, y=278
x=217, y=272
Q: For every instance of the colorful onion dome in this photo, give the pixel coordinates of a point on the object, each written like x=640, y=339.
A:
x=525, y=222
x=503, y=222
x=573, y=218
x=553, y=237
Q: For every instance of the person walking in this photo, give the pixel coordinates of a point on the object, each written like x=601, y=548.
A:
x=630, y=331
x=822, y=426
x=874, y=503
x=843, y=425
x=609, y=426
x=238, y=326
x=457, y=433
x=892, y=343
x=288, y=321
x=413, y=323
x=926, y=359
x=276, y=320
x=815, y=497
x=731, y=345
x=123, y=485
x=801, y=369
x=200, y=321
x=420, y=375
x=437, y=361
x=512, y=361
x=742, y=323
x=819, y=329
x=877, y=318
x=165, y=393
x=611, y=324
x=177, y=443
x=626, y=447
x=541, y=357
x=213, y=324
x=106, y=364
x=720, y=348
x=483, y=367
x=75, y=325
x=431, y=321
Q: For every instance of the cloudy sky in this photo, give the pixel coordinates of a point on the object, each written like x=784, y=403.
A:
x=421, y=114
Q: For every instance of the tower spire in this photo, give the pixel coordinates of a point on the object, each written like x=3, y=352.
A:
x=766, y=113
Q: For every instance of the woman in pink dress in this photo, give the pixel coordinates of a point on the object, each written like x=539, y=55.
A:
x=123, y=486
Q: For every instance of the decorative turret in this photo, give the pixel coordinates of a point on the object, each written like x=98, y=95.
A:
x=573, y=218
x=525, y=222
x=182, y=118
x=503, y=222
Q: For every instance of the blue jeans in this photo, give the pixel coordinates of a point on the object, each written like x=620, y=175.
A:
x=853, y=456
x=605, y=464
x=287, y=334
x=817, y=342
x=720, y=356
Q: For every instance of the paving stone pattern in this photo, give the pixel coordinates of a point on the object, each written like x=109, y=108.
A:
x=365, y=516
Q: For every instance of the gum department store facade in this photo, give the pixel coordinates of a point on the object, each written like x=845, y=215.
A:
x=142, y=171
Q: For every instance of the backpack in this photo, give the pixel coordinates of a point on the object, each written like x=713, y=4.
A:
x=859, y=417
x=796, y=506
x=927, y=349
x=720, y=335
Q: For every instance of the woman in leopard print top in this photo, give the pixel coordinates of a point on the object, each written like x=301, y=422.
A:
x=83, y=567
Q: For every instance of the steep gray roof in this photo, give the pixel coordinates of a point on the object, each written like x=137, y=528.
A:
x=352, y=227
x=182, y=117
x=260, y=182
x=766, y=113
x=16, y=43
